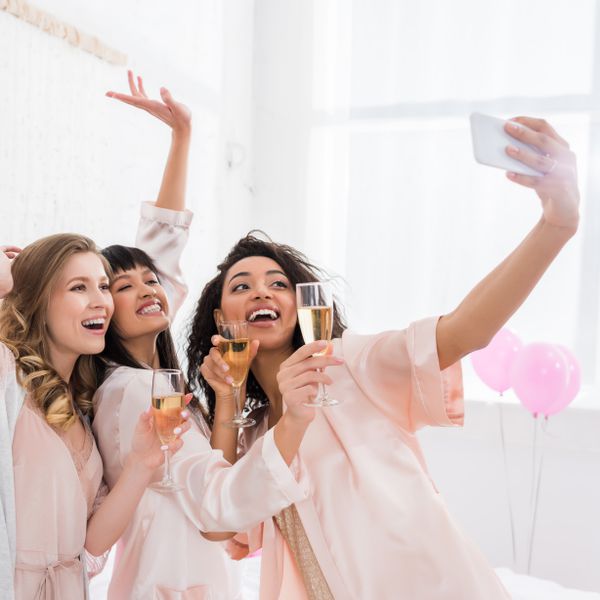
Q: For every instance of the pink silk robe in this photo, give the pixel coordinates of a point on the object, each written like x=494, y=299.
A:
x=376, y=523
x=54, y=499
x=162, y=554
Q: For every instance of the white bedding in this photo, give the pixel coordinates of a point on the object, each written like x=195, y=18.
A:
x=521, y=587
x=524, y=587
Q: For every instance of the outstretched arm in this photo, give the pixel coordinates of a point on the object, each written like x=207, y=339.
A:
x=492, y=302
x=178, y=117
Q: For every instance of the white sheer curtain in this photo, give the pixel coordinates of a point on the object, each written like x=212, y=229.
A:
x=394, y=199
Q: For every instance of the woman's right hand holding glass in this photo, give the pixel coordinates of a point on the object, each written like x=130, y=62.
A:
x=299, y=378
x=146, y=449
x=216, y=371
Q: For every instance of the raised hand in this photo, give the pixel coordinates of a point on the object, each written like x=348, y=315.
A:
x=557, y=187
x=176, y=115
x=10, y=251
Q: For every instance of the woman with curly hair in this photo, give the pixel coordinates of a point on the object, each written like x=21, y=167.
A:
x=374, y=525
x=171, y=548
x=53, y=317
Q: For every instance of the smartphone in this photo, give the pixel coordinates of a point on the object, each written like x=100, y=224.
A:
x=490, y=141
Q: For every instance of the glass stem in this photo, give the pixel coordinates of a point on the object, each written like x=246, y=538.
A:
x=167, y=469
x=322, y=390
x=236, y=401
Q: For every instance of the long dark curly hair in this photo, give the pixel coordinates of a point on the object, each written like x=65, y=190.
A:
x=202, y=326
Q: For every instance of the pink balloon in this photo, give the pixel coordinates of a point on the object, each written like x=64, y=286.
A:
x=493, y=363
x=573, y=385
x=540, y=377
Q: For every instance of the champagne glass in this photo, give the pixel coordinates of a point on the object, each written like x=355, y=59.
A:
x=235, y=349
x=168, y=400
x=315, y=317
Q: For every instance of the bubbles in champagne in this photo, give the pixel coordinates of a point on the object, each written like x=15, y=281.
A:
x=315, y=323
x=236, y=353
x=167, y=415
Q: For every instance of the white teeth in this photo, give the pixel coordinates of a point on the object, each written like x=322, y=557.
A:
x=153, y=308
x=263, y=312
x=93, y=322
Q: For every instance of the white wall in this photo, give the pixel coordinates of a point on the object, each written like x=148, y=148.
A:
x=73, y=160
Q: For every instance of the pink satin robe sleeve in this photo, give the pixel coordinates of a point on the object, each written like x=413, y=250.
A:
x=163, y=234
x=374, y=519
x=399, y=374
x=216, y=497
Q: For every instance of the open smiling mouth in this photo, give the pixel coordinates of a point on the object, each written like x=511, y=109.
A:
x=150, y=309
x=94, y=324
x=263, y=314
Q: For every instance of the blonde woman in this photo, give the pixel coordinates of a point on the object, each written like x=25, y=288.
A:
x=55, y=312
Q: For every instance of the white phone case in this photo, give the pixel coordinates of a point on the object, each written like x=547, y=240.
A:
x=490, y=141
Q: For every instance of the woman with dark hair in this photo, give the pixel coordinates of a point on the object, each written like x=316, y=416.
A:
x=297, y=269
x=162, y=553
x=374, y=525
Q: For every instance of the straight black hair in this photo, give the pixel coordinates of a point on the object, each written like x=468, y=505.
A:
x=120, y=259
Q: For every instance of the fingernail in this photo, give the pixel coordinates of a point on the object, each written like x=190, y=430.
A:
x=164, y=447
x=514, y=125
x=225, y=367
x=511, y=175
x=229, y=380
x=322, y=343
x=339, y=361
x=177, y=430
x=213, y=339
x=185, y=414
x=513, y=149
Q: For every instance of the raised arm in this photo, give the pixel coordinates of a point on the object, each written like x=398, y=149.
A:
x=492, y=302
x=179, y=118
x=164, y=225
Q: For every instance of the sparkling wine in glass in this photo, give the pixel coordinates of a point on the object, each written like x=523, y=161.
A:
x=168, y=400
x=315, y=317
x=235, y=349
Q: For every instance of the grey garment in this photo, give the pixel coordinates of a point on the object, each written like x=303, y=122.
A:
x=12, y=396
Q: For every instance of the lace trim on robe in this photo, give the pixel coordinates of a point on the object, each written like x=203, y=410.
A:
x=292, y=530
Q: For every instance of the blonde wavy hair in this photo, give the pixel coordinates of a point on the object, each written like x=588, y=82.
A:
x=23, y=329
